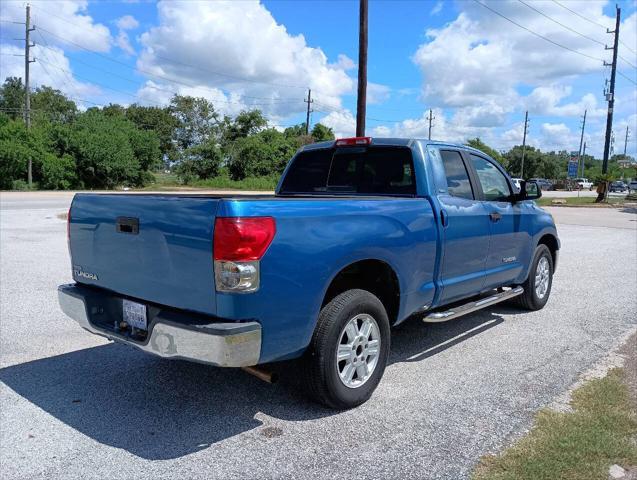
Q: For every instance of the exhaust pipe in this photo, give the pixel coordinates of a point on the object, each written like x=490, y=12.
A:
x=262, y=374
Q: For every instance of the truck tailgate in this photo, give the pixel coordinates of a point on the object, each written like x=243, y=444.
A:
x=156, y=248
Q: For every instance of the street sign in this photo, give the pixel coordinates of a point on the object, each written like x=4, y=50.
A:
x=572, y=169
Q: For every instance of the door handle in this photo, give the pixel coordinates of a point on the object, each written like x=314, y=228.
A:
x=127, y=225
x=444, y=218
x=495, y=216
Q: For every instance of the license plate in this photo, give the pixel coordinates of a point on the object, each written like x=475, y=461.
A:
x=134, y=314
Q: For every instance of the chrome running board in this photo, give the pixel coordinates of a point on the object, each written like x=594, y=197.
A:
x=459, y=311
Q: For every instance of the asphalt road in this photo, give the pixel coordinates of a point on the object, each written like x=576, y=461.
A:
x=75, y=406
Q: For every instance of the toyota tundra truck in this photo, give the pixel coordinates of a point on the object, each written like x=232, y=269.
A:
x=360, y=235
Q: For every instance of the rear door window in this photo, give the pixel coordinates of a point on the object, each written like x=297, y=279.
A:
x=458, y=184
x=352, y=170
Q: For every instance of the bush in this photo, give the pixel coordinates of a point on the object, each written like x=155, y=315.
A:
x=20, y=185
x=58, y=173
x=265, y=153
x=200, y=162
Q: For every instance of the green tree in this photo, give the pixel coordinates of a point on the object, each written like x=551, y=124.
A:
x=49, y=104
x=245, y=124
x=197, y=121
x=201, y=161
x=321, y=133
x=159, y=120
x=532, y=158
x=12, y=97
x=58, y=173
x=295, y=131
x=17, y=146
x=110, y=151
x=263, y=154
x=483, y=147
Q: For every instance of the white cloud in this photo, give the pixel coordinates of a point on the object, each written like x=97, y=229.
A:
x=51, y=69
x=127, y=22
x=123, y=42
x=342, y=122
x=481, y=56
x=437, y=8
x=70, y=21
x=377, y=93
x=239, y=48
x=344, y=62
x=545, y=100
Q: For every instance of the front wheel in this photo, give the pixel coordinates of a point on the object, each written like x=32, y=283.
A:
x=349, y=349
x=537, y=286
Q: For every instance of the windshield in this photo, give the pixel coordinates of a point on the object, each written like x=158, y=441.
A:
x=351, y=170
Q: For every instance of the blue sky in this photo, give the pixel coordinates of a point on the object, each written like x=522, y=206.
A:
x=478, y=71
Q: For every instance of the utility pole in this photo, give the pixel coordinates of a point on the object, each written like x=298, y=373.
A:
x=362, y=70
x=430, y=118
x=581, y=140
x=583, y=156
x=610, y=96
x=526, y=123
x=626, y=140
x=309, y=102
x=27, y=93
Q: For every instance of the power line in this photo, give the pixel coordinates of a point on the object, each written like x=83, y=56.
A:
x=537, y=34
x=154, y=87
x=592, y=22
x=562, y=25
x=629, y=63
x=627, y=77
x=161, y=77
x=581, y=16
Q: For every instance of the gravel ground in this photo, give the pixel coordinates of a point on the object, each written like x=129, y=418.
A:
x=75, y=406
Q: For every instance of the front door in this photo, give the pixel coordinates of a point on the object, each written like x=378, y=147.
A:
x=465, y=226
x=509, y=236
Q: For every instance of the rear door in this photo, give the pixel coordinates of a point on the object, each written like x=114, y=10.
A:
x=509, y=237
x=156, y=248
x=465, y=226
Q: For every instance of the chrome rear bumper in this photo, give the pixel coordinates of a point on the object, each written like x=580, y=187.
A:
x=232, y=344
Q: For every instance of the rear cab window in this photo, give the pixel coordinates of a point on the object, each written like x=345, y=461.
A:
x=365, y=170
x=458, y=183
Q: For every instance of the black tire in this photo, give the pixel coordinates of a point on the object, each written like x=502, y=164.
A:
x=323, y=381
x=530, y=300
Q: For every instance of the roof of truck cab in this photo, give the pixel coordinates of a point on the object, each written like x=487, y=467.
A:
x=397, y=142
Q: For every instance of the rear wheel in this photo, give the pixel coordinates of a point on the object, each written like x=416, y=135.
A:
x=537, y=286
x=348, y=352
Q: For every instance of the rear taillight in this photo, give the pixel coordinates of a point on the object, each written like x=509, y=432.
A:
x=239, y=243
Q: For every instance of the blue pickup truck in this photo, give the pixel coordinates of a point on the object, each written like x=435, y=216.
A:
x=360, y=235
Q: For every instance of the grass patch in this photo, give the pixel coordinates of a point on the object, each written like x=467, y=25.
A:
x=548, y=201
x=169, y=181
x=581, y=445
x=249, y=183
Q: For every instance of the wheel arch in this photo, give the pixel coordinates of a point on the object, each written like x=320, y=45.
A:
x=376, y=276
x=553, y=244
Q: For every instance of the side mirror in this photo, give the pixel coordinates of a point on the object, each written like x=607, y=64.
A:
x=529, y=191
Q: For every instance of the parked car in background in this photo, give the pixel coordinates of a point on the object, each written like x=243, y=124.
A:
x=543, y=183
x=632, y=185
x=618, y=186
x=584, y=183
x=361, y=234
x=517, y=183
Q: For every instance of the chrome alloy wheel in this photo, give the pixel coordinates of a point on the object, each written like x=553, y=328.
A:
x=542, y=277
x=358, y=350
